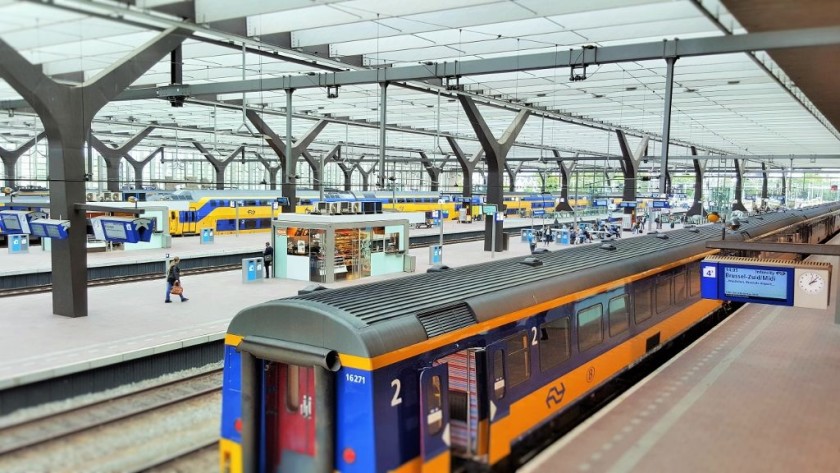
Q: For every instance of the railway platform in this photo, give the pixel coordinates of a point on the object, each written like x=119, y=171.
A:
x=128, y=322
x=756, y=393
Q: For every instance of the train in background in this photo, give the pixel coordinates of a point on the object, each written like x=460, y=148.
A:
x=407, y=375
x=190, y=211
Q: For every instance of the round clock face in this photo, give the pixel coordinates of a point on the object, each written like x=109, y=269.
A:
x=811, y=283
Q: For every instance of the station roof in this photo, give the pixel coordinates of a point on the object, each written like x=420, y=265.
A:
x=779, y=104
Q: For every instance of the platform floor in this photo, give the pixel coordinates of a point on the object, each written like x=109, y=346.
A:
x=38, y=260
x=757, y=393
x=128, y=321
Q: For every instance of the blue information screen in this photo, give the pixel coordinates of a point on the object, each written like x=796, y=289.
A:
x=756, y=283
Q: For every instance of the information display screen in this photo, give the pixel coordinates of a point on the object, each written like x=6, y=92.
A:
x=756, y=283
x=52, y=231
x=114, y=230
x=11, y=223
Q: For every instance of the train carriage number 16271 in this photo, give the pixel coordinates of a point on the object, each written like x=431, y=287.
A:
x=354, y=378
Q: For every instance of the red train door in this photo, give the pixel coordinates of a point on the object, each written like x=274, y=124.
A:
x=290, y=425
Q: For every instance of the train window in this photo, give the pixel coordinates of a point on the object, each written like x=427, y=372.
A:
x=694, y=279
x=518, y=359
x=641, y=304
x=458, y=405
x=499, y=374
x=663, y=295
x=679, y=287
x=590, y=327
x=619, y=317
x=434, y=414
x=554, y=343
x=292, y=388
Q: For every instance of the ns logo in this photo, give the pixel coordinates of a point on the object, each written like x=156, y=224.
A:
x=555, y=395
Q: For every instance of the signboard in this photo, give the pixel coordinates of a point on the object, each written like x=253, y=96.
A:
x=631, y=204
x=661, y=204
x=537, y=213
x=747, y=280
x=488, y=209
x=600, y=202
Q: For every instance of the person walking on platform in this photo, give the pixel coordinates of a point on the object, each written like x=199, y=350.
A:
x=173, y=281
x=268, y=259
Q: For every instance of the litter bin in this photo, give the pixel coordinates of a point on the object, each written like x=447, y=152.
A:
x=18, y=244
x=409, y=263
x=252, y=269
x=207, y=236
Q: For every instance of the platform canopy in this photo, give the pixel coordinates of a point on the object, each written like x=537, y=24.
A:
x=736, y=103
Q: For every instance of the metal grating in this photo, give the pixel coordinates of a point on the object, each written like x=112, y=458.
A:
x=446, y=319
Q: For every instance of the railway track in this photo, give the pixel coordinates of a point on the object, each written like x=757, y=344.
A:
x=121, y=431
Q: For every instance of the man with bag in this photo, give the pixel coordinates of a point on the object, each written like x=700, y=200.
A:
x=268, y=259
x=173, y=281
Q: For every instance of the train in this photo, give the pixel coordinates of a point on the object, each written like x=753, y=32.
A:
x=190, y=211
x=464, y=366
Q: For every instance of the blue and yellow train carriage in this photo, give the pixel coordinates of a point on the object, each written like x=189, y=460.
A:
x=406, y=376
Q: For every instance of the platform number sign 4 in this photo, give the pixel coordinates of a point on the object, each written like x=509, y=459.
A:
x=710, y=272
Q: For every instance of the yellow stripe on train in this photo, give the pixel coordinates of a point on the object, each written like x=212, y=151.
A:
x=532, y=410
x=230, y=456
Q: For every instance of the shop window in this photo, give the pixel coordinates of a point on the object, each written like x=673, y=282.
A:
x=590, y=327
x=619, y=316
x=641, y=304
x=663, y=295
x=518, y=359
x=554, y=343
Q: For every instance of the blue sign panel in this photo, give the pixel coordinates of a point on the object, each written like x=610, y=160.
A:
x=600, y=202
x=537, y=213
x=628, y=204
x=747, y=283
x=661, y=204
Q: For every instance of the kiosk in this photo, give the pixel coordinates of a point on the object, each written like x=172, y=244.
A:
x=326, y=248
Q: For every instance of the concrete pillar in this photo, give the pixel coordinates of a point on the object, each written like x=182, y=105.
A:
x=272, y=170
x=764, y=195
x=139, y=165
x=565, y=172
x=365, y=173
x=512, y=173
x=113, y=155
x=290, y=150
x=433, y=171
x=739, y=186
x=699, y=177
x=664, y=183
x=10, y=158
x=467, y=164
x=66, y=112
x=496, y=151
x=219, y=165
x=630, y=167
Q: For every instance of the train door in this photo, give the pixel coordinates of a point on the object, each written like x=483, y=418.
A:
x=192, y=221
x=289, y=431
x=434, y=419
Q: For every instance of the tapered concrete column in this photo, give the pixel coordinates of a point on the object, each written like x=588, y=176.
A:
x=468, y=165
x=66, y=112
x=630, y=168
x=10, y=158
x=784, y=188
x=764, y=195
x=219, y=165
x=496, y=151
x=739, y=186
x=114, y=155
x=365, y=173
x=139, y=165
x=433, y=170
x=290, y=151
x=512, y=173
x=664, y=182
x=565, y=172
x=699, y=176
x=334, y=155
x=271, y=168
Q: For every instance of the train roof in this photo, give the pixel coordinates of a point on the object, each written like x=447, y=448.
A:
x=380, y=317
